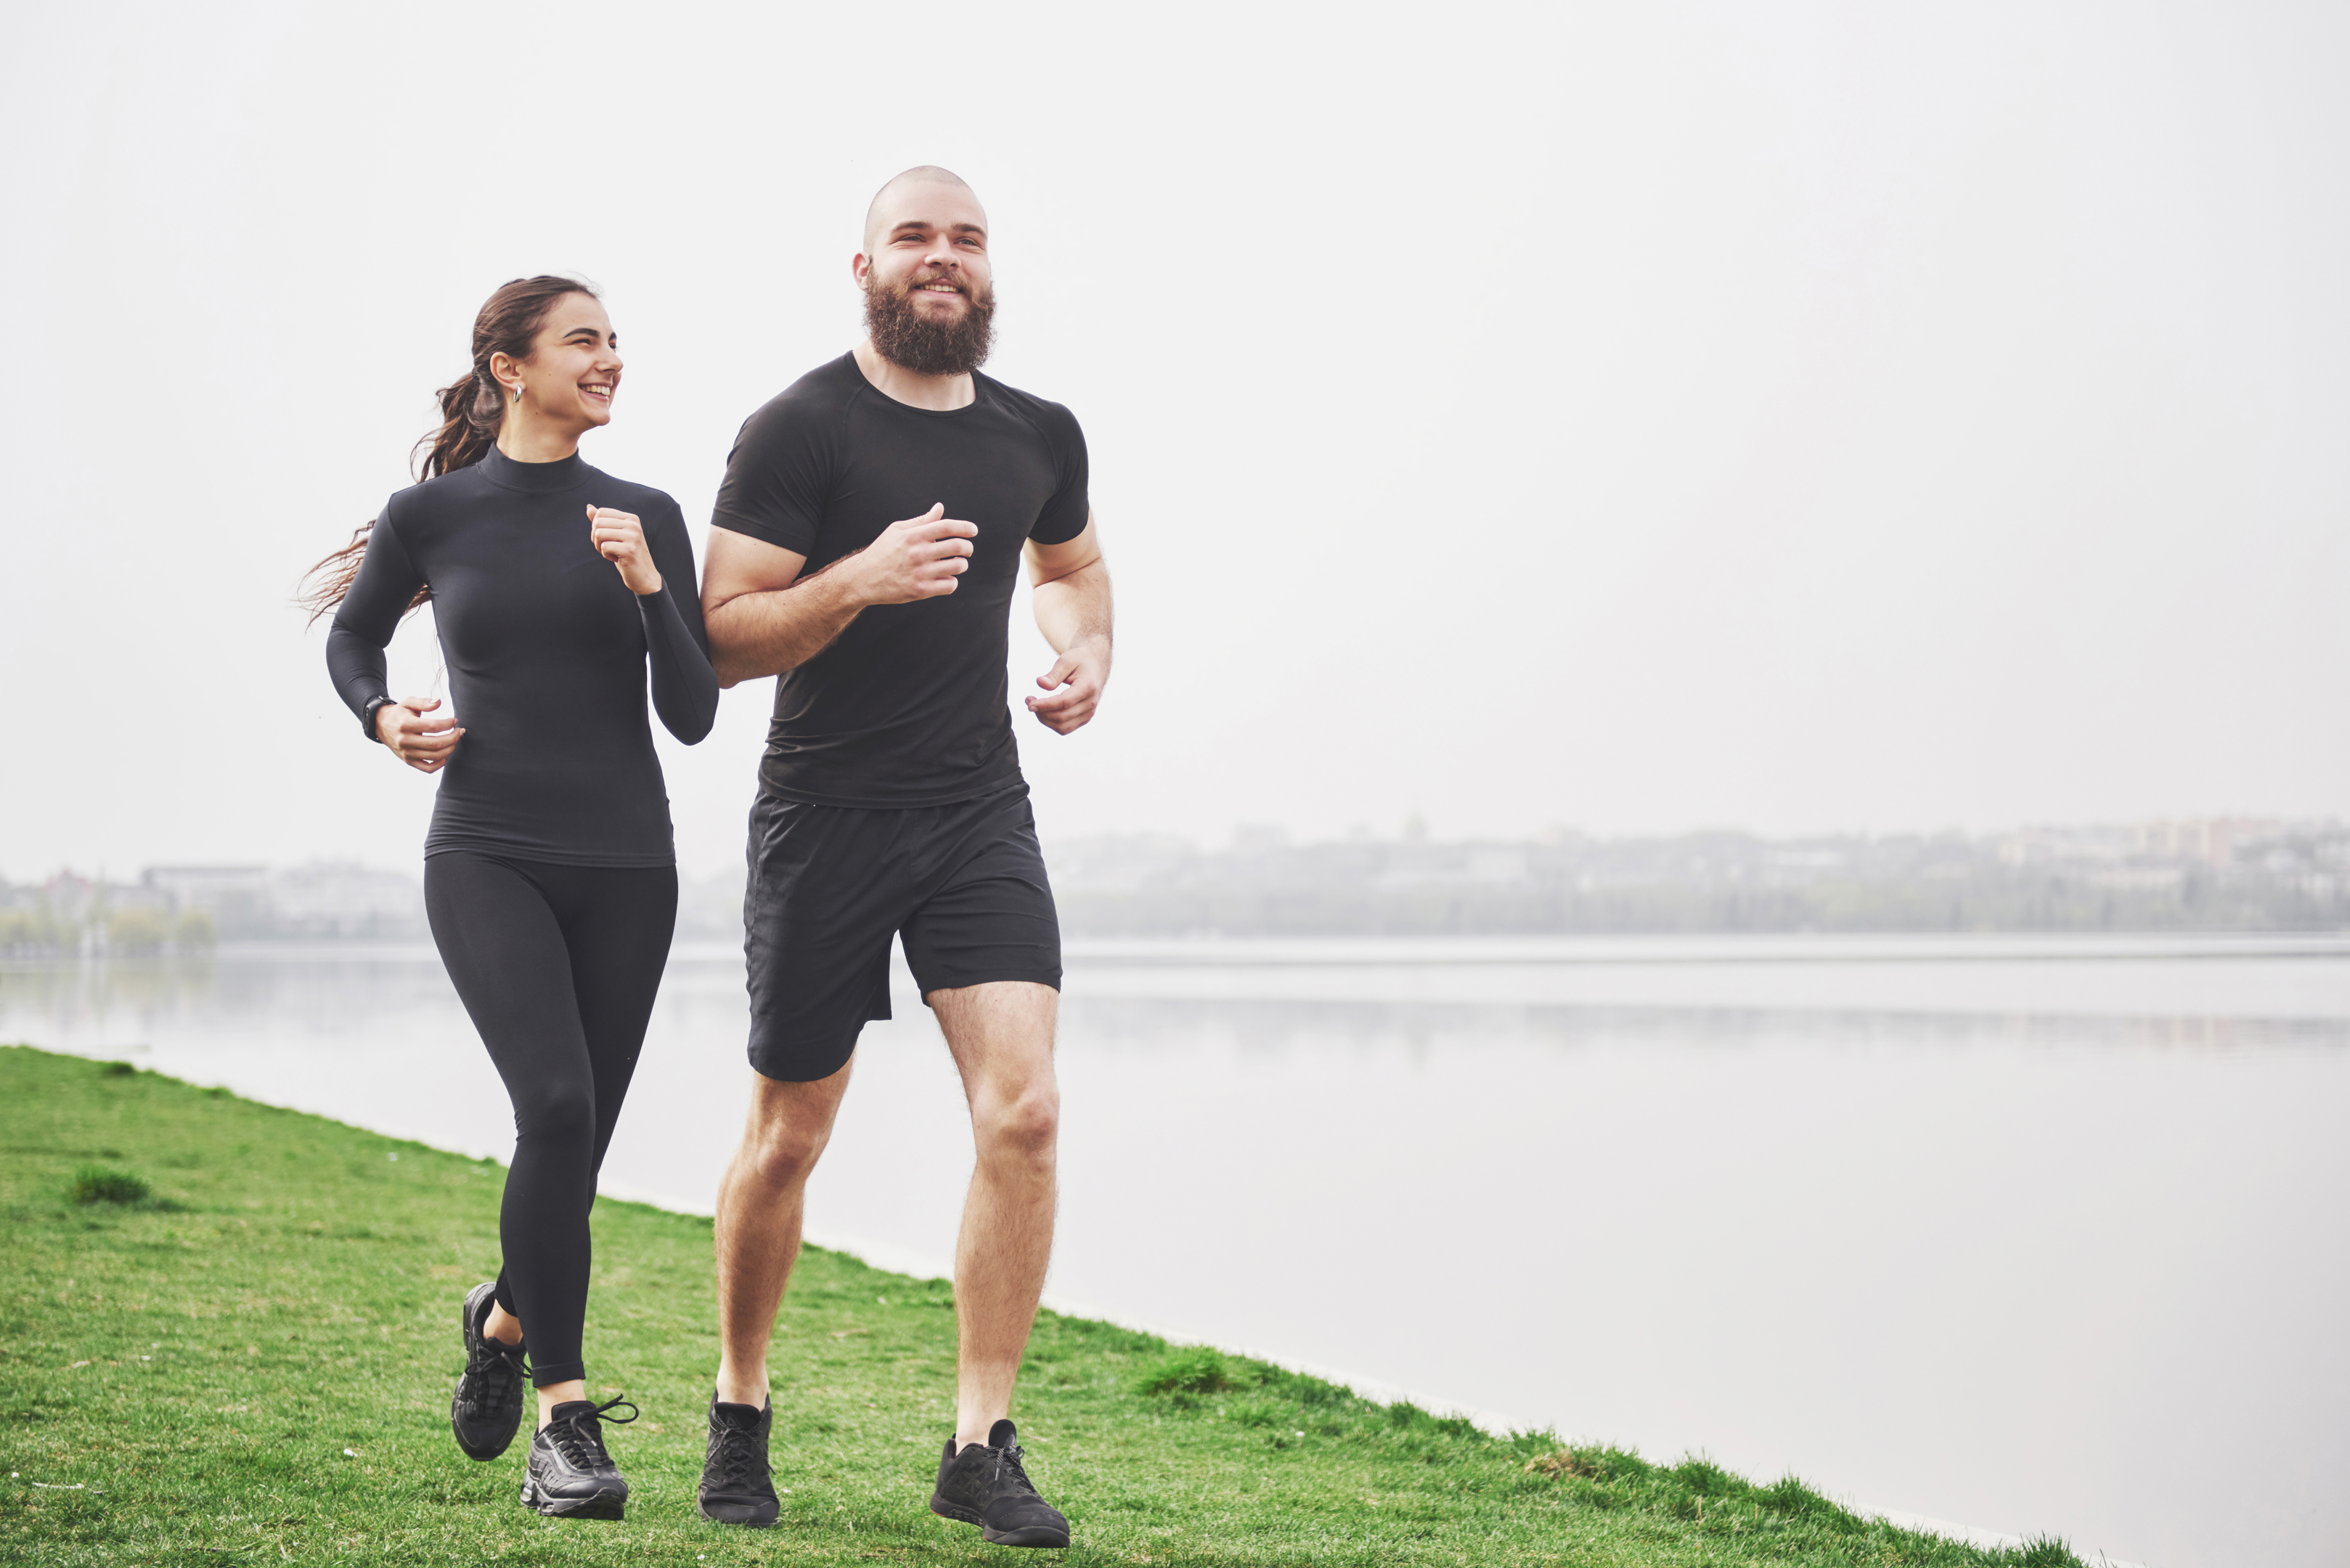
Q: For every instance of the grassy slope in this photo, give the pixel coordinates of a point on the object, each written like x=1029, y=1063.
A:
x=255, y=1368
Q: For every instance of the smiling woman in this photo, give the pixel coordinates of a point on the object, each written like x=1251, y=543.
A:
x=473, y=407
x=550, y=873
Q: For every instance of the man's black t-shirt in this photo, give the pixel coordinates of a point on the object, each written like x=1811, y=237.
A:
x=907, y=706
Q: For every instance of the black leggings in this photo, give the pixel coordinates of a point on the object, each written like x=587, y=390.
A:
x=558, y=966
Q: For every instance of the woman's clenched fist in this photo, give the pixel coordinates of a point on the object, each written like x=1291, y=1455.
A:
x=619, y=538
x=423, y=743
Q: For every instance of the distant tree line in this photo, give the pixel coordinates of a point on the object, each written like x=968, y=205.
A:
x=190, y=910
x=2233, y=874
x=138, y=930
x=2257, y=877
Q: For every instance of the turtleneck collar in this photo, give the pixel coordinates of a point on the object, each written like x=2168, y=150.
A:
x=534, y=478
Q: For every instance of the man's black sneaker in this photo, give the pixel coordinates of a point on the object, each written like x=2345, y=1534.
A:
x=570, y=1475
x=737, y=1487
x=487, y=1407
x=984, y=1485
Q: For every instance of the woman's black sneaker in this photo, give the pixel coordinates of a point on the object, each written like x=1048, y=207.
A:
x=487, y=1407
x=570, y=1475
x=984, y=1485
x=737, y=1487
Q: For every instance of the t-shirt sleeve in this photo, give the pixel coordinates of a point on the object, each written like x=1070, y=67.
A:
x=777, y=477
x=685, y=690
x=370, y=612
x=1066, y=515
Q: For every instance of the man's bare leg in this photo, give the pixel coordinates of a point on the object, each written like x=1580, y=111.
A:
x=1002, y=1037
x=758, y=1228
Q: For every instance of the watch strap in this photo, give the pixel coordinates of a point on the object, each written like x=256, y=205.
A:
x=367, y=716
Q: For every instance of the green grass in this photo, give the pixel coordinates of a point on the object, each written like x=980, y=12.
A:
x=253, y=1365
x=103, y=1184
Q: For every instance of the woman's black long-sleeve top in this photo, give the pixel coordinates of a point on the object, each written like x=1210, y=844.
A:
x=546, y=651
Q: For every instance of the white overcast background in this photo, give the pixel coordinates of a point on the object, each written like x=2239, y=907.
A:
x=1633, y=417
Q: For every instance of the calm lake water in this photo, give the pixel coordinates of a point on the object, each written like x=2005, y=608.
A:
x=2027, y=1234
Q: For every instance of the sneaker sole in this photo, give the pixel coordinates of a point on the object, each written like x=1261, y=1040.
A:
x=1034, y=1535
x=602, y=1505
x=703, y=1507
x=1031, y=1536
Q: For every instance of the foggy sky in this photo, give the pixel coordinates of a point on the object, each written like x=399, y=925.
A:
x=1630, y=417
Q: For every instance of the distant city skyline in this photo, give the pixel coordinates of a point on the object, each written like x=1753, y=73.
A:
x=2213, y=874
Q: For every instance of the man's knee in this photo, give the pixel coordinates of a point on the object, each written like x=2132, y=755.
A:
x=781, y=1155
x=1024, y=1125
x=789, y=1125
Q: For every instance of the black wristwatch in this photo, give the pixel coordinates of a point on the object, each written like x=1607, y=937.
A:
x=367, y=716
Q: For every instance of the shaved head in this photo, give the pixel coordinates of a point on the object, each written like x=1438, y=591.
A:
x=930, y=290
x=884, y=200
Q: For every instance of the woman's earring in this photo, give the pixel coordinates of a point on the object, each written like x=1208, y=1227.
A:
x=517, y=391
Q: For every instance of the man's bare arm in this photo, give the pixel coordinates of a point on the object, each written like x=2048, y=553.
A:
x=756, y=627
x=763, y=617
x=1071, y=587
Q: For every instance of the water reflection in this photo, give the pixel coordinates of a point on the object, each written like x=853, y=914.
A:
x=1274, y=1025
x=2036, y=1246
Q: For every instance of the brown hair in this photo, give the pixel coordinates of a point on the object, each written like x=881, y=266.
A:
x=472, y=408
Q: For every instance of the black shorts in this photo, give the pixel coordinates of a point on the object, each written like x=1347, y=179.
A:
x=963, y=884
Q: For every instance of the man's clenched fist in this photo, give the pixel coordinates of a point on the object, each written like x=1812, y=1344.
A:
x=919, y=558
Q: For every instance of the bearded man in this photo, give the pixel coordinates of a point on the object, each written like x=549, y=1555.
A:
x=864, y=547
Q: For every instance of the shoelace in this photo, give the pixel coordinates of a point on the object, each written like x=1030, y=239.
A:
x=580, y=1438
x=737, y=1462
x=495, y=1376
x=1007, y=1461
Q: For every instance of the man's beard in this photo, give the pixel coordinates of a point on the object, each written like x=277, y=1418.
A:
x=906, y=337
